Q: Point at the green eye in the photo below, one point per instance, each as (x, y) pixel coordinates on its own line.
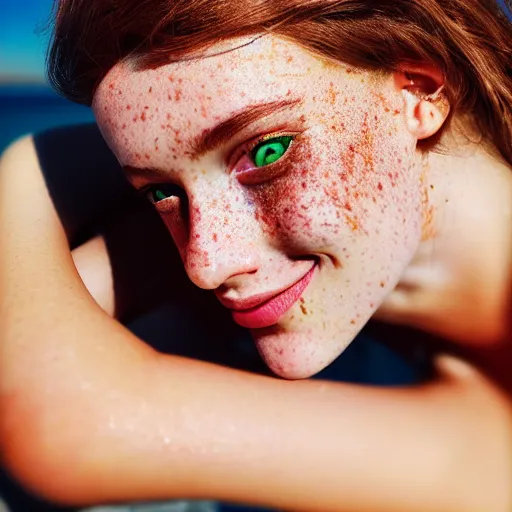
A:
(158, 193)
(270, 151)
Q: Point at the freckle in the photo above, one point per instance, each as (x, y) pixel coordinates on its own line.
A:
(143, 116)
(397, 112)
(382, 284)
(150, 90)
(353, 322)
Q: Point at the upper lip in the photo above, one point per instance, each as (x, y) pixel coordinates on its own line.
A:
(256, 300)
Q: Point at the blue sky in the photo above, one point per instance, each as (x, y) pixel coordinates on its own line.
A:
(22, 50)
(22, 45)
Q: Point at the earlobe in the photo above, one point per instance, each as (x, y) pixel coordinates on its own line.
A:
(426, 106)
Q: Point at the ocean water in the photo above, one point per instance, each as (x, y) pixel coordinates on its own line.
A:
(28, 109)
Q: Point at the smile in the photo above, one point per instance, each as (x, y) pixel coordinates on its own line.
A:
(269, 311)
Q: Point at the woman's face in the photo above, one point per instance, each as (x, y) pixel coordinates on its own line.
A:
(290, 185)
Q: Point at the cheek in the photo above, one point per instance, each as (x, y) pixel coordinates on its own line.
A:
(290, 208)
(343, 183)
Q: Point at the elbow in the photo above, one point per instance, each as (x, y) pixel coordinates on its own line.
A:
(44, 465)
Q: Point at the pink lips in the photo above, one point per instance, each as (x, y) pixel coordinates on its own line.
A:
(269, 312)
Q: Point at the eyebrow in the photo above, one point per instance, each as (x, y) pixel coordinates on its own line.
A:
(214, 137)
(226, 130)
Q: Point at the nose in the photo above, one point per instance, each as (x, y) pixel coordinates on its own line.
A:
(222, 244)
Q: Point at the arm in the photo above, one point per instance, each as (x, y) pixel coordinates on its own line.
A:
(91, 414)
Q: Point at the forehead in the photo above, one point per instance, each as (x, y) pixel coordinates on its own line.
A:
(248, 74)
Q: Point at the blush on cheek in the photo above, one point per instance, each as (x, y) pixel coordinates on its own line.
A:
(284, 206)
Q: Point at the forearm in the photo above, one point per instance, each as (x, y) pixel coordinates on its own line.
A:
(304, 446)
(77, 390)
(172, 428)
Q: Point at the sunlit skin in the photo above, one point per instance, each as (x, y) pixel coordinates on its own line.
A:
(340, 201)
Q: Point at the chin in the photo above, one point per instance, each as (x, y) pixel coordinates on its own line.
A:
(295, 356)
(294, 373)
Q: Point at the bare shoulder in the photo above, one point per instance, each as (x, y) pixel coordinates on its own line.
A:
(19, 162)
(22, 149)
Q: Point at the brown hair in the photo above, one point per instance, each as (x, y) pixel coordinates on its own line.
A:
(469, 40)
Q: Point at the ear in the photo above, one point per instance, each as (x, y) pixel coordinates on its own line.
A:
(427, 107)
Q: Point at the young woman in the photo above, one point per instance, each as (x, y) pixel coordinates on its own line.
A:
(289, 150)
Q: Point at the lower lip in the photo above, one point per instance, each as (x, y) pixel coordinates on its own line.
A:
(270, 312)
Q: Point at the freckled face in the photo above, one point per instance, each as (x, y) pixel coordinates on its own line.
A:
(304, 218)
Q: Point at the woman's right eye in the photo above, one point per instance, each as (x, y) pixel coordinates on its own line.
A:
(158, 193)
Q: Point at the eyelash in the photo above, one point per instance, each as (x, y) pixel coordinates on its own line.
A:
(244, 150)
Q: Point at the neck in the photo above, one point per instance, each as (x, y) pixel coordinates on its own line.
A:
(470, 189)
